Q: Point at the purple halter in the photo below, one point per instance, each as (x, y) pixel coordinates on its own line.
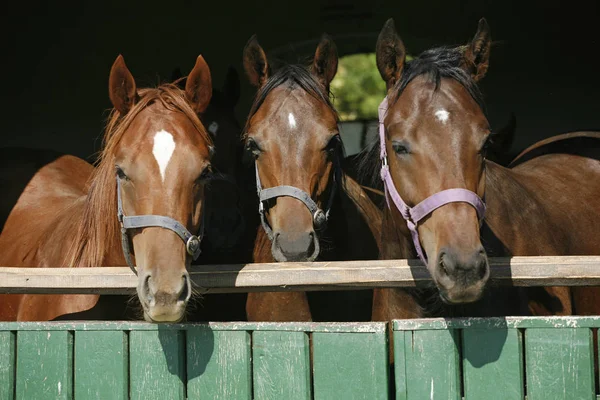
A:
(412, 215)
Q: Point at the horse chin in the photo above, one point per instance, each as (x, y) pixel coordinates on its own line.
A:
(468, 295)
(164, 317)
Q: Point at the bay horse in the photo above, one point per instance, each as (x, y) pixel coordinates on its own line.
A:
(145, 200)
(432, 157)
(292, 137)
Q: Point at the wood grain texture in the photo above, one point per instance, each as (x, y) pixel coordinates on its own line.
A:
(281, 365)
(157, 365)
(431, 359)
(350, 366)
(518, 271)
(218, 364)
(101, 365)
(492, 364)
(559, 363)
(44, 365)
(7, 364)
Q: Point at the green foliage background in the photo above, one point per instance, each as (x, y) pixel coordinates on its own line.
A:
(357, 87)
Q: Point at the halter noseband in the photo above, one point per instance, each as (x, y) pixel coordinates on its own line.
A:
(192, 242)
(319, 216)
(412, 215)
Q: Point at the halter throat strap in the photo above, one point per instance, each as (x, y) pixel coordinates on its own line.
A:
(192, 242)
(412, 215)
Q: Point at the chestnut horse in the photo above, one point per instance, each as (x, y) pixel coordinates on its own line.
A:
(435, 136)
(292, 135)
(148, 190)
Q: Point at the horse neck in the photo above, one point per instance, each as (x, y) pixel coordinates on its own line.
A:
(515, 216)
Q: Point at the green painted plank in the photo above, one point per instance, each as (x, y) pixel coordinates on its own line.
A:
(559, 363)
(218, 364)
(44, 365)
(157, 365)
(7, 365)
(492, 364)
(500, 322)
(350, 366)
(101, 365)
(432, 364)
(281, 365)
(400, 374)
(374, 327)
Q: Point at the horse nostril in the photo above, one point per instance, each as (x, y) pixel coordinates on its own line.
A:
(311, 245)
(185, 293)
(442, 264)
(482, 267)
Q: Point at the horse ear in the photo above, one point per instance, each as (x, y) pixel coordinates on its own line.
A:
(231, 87)
(390, 53)
(198, 87)
(121, 86)
(477, 53)
(325, 63)
(255, 62)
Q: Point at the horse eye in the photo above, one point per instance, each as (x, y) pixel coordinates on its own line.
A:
(121, 174)
(487, 144)
(400, 149)
(333, 144)
(206, 175)
(253, 148)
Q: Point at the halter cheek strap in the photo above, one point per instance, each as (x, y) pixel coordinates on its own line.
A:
(192, 242)
(412, 215)
(320, 217)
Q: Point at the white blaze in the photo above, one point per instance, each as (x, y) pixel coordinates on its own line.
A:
(442, 115)
(292, 120)
(163, 149)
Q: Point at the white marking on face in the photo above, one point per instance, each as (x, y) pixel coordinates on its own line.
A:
(442, 115)
(163, 149)
(292, 120)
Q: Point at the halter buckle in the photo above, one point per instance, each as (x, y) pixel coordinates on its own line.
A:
(193, 245)
(319, 218)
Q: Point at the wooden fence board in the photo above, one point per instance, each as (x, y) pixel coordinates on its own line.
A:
(7, 365)
(281, 365)
(44, 365)
(431, 359)
(101, 365)
(350, 366)
(559, 363)
(492, 364)
(157, 365)
(219, 365)
(518, 271)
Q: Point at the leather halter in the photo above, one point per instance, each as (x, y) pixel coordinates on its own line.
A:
(319, 216)
(412, 215)
(192, 242)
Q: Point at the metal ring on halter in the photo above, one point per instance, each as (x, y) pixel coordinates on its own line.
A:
(193, 245)
(319, 218)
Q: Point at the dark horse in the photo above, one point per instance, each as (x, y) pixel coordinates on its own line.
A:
(292, 135)
(150, 177)
(436, 136)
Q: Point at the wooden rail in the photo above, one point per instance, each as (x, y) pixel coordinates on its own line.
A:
(516, 271)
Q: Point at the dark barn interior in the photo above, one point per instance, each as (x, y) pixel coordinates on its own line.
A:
(56, 59)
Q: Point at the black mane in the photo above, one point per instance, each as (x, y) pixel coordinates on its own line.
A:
(292, 75)
(435, 64)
